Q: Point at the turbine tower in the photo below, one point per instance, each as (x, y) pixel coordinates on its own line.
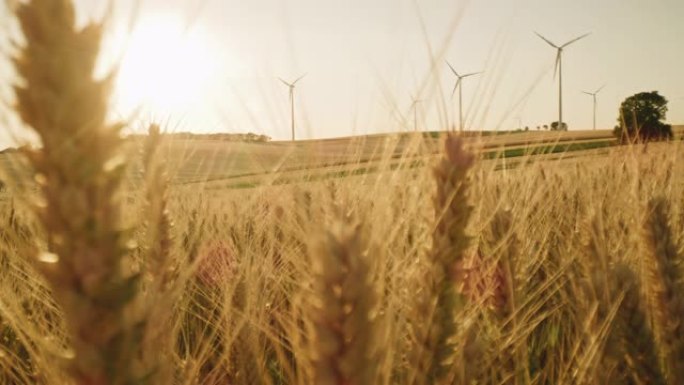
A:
(559, 70)
(292, 109)
(459, 86)
(593, 95)
(414, 106)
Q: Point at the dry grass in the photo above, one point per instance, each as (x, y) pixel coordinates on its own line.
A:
(558, 272)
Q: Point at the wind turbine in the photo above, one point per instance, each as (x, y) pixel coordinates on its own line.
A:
(292, 109)
(559, 70)
(414, 106)
(593, 95)
(459, 86)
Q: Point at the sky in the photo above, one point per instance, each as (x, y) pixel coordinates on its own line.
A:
(213, 65)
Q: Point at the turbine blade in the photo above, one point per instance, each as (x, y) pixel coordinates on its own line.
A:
(453, 70)
(575, 40)
(558, 59)
(588, 93)
(298, 79)
(599, 90)
(284, 82)
(471, 74)
(546, 40)
(456, 87)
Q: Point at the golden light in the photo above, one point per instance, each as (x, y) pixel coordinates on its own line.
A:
(165, 68)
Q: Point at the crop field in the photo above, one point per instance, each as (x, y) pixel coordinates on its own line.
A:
(498, 258)
(239, 164)
(560, 263)
(245, 301)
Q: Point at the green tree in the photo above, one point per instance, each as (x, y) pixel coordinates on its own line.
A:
(641, 118)
(554, 126)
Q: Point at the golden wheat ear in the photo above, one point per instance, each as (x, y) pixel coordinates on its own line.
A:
(158, 222)
(79, 169)
(342, 311)
(433, 324)
(164, 284)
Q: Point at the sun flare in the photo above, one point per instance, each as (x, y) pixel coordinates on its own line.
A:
(164, 68)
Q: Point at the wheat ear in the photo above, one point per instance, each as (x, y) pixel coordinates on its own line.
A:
(342, 315)
(159, 223)
(438, 300)
(164, 292)
(79, 169)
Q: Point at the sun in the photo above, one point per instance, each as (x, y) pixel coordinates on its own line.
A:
(165, 67)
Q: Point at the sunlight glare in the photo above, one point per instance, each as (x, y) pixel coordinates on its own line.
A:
(165, 68)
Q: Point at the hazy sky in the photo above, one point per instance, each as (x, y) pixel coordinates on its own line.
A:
(364, 59)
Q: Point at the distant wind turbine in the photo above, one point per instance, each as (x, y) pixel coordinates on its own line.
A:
(593, 95)
(414, 106)
(459, 86)
(292, 109)
(559, 70)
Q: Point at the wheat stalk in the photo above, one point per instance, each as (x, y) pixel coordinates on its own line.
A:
(434, 325)
(79, 169)
(504, 248)
(665, 284)
(631, 341)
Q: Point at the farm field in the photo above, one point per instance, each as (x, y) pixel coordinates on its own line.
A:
(205, 162)
(211, 161)
(243, 164)
(215, 165)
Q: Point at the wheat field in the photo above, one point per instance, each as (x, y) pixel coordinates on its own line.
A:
(456, 270)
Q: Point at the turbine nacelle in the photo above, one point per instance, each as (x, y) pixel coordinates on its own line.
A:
(415, 101)
(459, 86)
(595, 92)
(558, 69)
(593, 96)
(293, 84)
(460, 77)
(560, 49)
